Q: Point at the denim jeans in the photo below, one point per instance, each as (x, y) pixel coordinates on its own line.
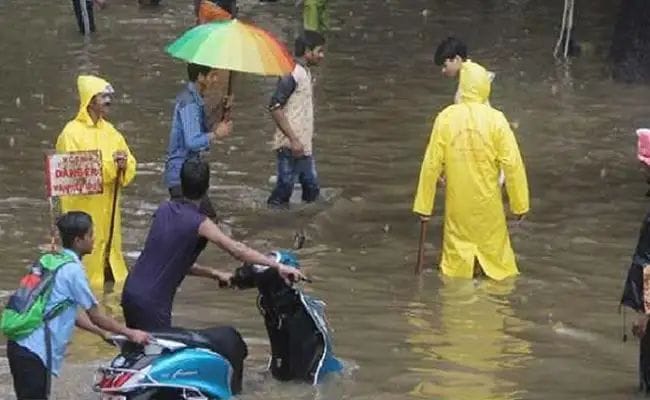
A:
(290, 168)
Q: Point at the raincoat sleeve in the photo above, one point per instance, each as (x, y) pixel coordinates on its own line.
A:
(512, 165)
(430, 171)
(62, 142)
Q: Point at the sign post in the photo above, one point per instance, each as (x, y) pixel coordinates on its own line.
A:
(76, 173)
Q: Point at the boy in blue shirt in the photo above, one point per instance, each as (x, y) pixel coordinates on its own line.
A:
(28, 358)
(189, 135)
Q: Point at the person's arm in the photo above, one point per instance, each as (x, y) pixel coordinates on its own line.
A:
(81, 294)
(430, 172)
(285, 88)
(211, 273)
(241, 252)
(195, 139)
(83, 322)
(108, 323)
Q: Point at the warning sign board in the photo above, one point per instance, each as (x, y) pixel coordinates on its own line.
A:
(75, 173)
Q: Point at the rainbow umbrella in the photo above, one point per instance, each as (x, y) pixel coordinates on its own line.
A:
(233, 45)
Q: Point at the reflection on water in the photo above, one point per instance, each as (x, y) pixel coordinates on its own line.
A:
(466, 340)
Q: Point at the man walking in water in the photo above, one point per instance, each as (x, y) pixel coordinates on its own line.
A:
(470, 143)
(292, 109)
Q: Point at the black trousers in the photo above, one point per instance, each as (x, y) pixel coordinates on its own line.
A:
(91, 16)
(31, 378)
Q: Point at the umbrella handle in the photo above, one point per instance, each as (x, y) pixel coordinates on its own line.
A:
(226, 108)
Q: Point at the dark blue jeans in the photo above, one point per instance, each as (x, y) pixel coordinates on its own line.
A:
(290, 168)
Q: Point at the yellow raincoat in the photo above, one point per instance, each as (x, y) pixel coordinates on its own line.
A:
(471, 142)
(81, 134)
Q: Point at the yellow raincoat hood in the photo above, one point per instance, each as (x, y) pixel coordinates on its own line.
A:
(474, 83)
(88, 87)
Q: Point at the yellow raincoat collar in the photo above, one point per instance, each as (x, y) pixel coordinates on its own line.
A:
(88, 87)
(474, 83)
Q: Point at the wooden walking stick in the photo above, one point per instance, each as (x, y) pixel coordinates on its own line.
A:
(108, 273)
(423, 234)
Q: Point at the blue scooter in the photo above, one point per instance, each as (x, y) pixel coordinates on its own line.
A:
(208, 364)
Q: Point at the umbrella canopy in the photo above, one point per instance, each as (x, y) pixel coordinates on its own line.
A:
(235, 46)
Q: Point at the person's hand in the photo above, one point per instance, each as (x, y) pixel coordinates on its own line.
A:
(224, 278)
(227, 101)
(100, 3)
(138, 336)
(424, 218)
(297, 149)
(516, 221)
(222, 130)
(290, 274)
(120, 159)
(639, 326)
(520, 217)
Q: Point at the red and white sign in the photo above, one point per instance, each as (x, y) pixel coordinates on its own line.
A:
(75, 173)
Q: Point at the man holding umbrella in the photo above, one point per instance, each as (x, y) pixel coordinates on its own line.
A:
(189, 136)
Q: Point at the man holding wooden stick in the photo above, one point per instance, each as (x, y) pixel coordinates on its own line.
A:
(91, 131)
(471, 142)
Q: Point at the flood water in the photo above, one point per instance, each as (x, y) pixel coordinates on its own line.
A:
(553, 333)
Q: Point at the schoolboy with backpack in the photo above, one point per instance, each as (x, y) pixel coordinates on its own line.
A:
(39, 317)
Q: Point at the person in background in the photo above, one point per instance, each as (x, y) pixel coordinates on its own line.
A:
(315, 16)
(78, 6)
(91, 131)
(214, 10)
(636, 292)
(292, 109)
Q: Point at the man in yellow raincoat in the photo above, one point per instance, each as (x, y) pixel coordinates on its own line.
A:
(470, 143)
(91, 131)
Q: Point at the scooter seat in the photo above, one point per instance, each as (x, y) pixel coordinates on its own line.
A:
(223, 340)
(191, 338)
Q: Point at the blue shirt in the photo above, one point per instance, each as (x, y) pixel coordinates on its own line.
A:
(188, 136)
(71, 284)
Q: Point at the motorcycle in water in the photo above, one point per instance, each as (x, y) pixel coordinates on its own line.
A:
(207, 364)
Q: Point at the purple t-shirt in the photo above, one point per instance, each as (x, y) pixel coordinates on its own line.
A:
(171, 248)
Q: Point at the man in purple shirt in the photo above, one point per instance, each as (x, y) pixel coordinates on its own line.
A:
(178, 234)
